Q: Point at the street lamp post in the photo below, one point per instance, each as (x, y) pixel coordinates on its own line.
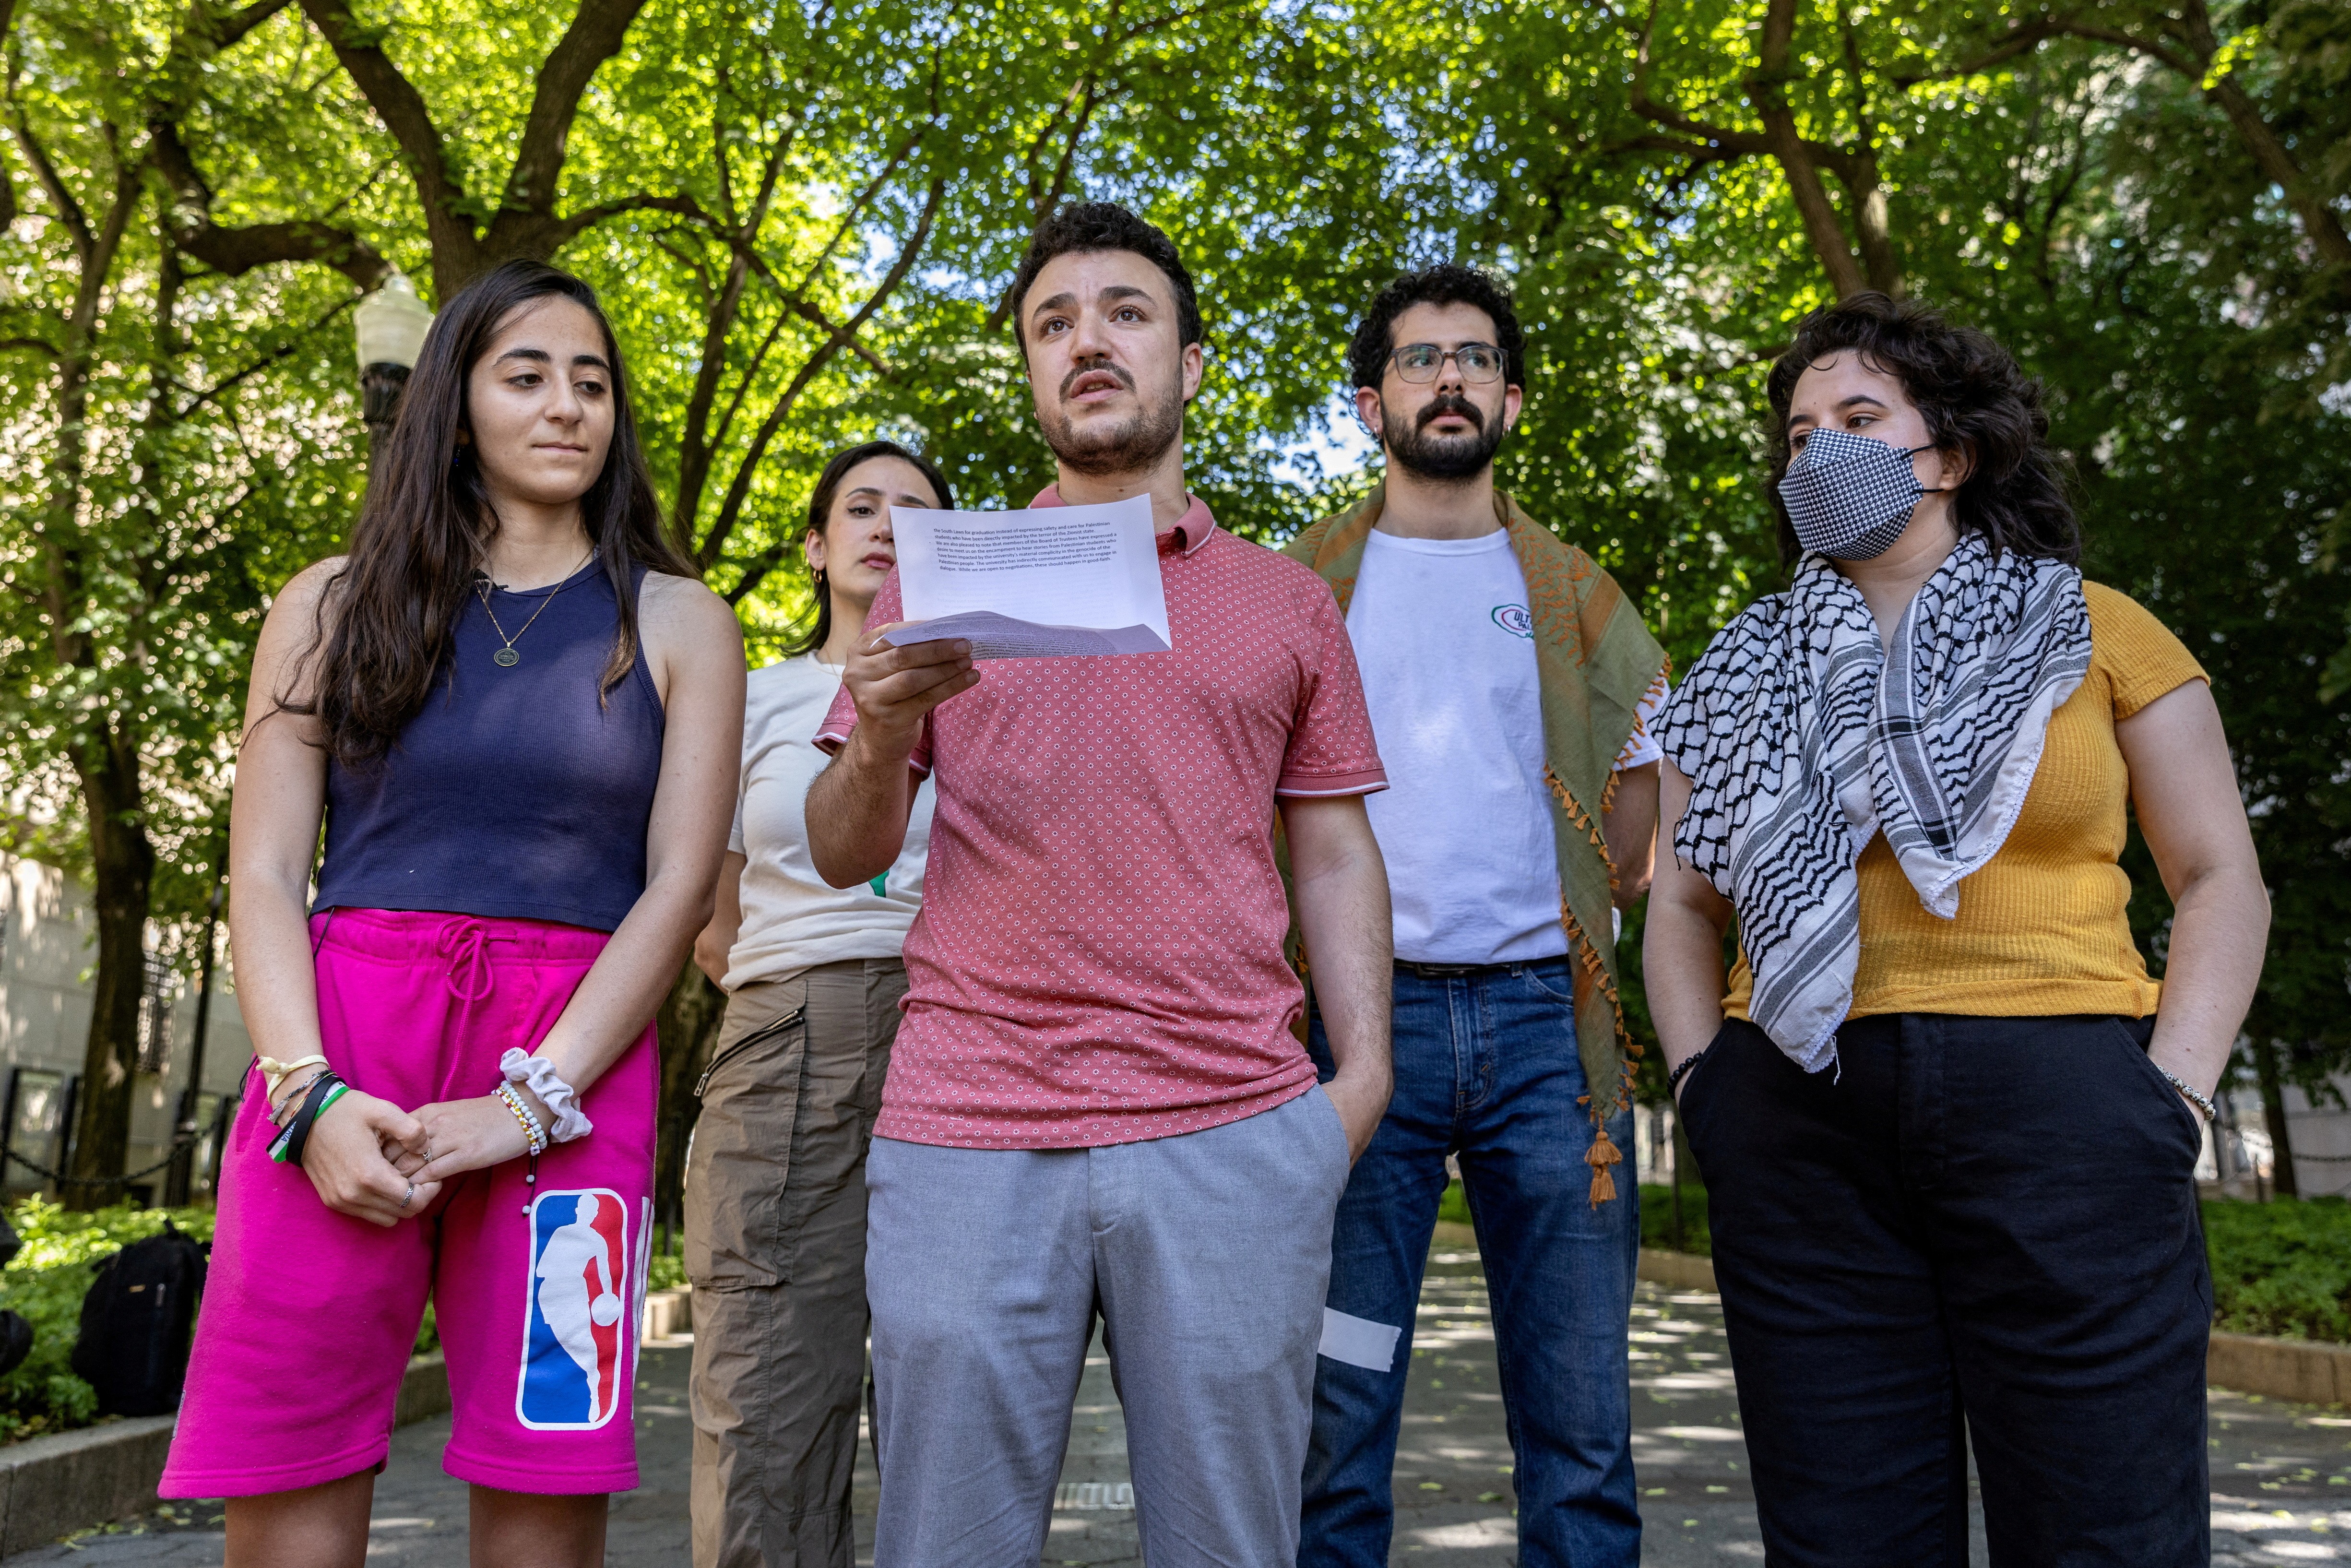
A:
(179, 1182)
(389, 324)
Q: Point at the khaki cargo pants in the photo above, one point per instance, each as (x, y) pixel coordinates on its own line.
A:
(775, 1247)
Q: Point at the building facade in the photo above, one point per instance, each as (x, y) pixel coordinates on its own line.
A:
(48, 945)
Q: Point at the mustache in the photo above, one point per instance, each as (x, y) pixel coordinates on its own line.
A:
(1105, 367)
(1455, 404)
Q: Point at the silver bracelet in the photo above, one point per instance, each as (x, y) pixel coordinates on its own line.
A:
(2212, 1112)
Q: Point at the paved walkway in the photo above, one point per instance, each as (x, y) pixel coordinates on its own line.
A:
(2280, 1473)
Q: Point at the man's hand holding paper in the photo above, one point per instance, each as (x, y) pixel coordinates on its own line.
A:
(895, 689)
(1043, 583)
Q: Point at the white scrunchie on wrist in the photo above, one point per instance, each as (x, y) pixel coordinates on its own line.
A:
(562, 1101)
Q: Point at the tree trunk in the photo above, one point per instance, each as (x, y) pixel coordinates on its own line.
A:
(2324, 230)
(1873, 223)
(2274, 1112)
(124, 865)
(2319, 222)
(1765, 90)
(689, 1023)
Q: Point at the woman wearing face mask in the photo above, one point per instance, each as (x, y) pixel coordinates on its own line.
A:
(775, 1195)
(1947, 1134)
(519, 712)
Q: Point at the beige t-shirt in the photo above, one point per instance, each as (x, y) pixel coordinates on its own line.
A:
(791, 920)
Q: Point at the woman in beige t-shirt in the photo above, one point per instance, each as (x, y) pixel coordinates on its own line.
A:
(774, 1187)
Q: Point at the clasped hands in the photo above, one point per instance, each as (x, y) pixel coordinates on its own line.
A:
(373, 1160)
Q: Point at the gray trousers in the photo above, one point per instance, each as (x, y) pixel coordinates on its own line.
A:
(1207, 1256)
(775, 1245)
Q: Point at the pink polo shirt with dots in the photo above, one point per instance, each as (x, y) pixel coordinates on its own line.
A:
(1098, 958)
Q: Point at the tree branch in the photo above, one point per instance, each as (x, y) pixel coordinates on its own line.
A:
(730, 509)
(69, 211)
(2019, 40)
(855, 345)
(566, 230)
(229, 383)
(594, 36)
(1720, 143)
(456, 244)
(755, 573)
(1765, 90)
(222, 31)
(1863, 189)
(1060, 182)
(234, 252)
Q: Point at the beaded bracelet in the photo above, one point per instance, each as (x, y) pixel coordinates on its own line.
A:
(566, 1121)
(534, 1134)
(2212, 1112)
(1674, 1079)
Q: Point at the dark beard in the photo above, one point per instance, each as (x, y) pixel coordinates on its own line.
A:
(1127, 448)
(1446, 458)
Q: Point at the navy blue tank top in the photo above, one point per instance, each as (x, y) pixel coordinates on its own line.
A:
(514, 793)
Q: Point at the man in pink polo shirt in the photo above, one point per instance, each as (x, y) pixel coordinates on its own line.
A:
(1098, 1102)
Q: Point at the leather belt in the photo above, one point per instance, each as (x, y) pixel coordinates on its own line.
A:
(1461, 971)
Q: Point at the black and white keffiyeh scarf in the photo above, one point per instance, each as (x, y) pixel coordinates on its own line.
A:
(1804, 735)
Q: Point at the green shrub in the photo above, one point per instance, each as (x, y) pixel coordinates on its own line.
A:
(1656, 1215)
(1657, 1218)
(2281, 1269)
(666, 1272)
(46, 1282)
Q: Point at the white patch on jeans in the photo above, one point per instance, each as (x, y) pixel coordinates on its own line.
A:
(1359, 1342)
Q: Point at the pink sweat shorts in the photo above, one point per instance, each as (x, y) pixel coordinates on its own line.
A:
(309, 1315)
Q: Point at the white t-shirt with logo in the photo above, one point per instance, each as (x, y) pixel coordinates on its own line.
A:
(791, 920)
(1445, 643)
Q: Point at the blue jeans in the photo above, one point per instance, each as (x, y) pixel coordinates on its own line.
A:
(1486, 1068)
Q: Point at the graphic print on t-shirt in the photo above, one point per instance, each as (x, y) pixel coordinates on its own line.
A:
(1514, 619)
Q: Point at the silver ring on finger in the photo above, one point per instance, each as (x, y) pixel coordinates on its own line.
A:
(408, 1195)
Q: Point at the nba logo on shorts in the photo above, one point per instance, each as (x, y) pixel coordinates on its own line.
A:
(576, 1360)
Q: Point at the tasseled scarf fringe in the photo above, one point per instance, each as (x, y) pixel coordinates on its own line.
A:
(1604, 1152)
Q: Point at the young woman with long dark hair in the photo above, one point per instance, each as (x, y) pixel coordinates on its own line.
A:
(1948, 1123)
(519, 713)
(775, 1195)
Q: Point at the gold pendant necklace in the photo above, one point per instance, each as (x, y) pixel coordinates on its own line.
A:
(506, 657)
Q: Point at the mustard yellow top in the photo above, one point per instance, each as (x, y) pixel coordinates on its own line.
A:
(2041, 929)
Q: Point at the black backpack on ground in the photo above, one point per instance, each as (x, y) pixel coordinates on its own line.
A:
(135, 1323)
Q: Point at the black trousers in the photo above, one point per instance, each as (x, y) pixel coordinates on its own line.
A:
(1973, 1230)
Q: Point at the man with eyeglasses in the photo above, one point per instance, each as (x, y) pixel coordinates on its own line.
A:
(1510, 681)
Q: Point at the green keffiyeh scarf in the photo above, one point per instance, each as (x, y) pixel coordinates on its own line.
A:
(1596, 661)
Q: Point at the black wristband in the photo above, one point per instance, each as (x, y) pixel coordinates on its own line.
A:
(297, 1131)
(1674, 1079)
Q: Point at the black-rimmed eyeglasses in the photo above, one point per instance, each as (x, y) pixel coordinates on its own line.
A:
(1424, 361)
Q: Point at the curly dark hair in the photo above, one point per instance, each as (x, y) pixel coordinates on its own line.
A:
(1975, 398)
(1105, 226)
(1448, 283)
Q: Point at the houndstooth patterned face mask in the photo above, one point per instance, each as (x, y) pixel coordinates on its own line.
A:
(1850, 497)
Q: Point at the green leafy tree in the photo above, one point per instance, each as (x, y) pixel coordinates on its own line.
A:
(163, 407)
